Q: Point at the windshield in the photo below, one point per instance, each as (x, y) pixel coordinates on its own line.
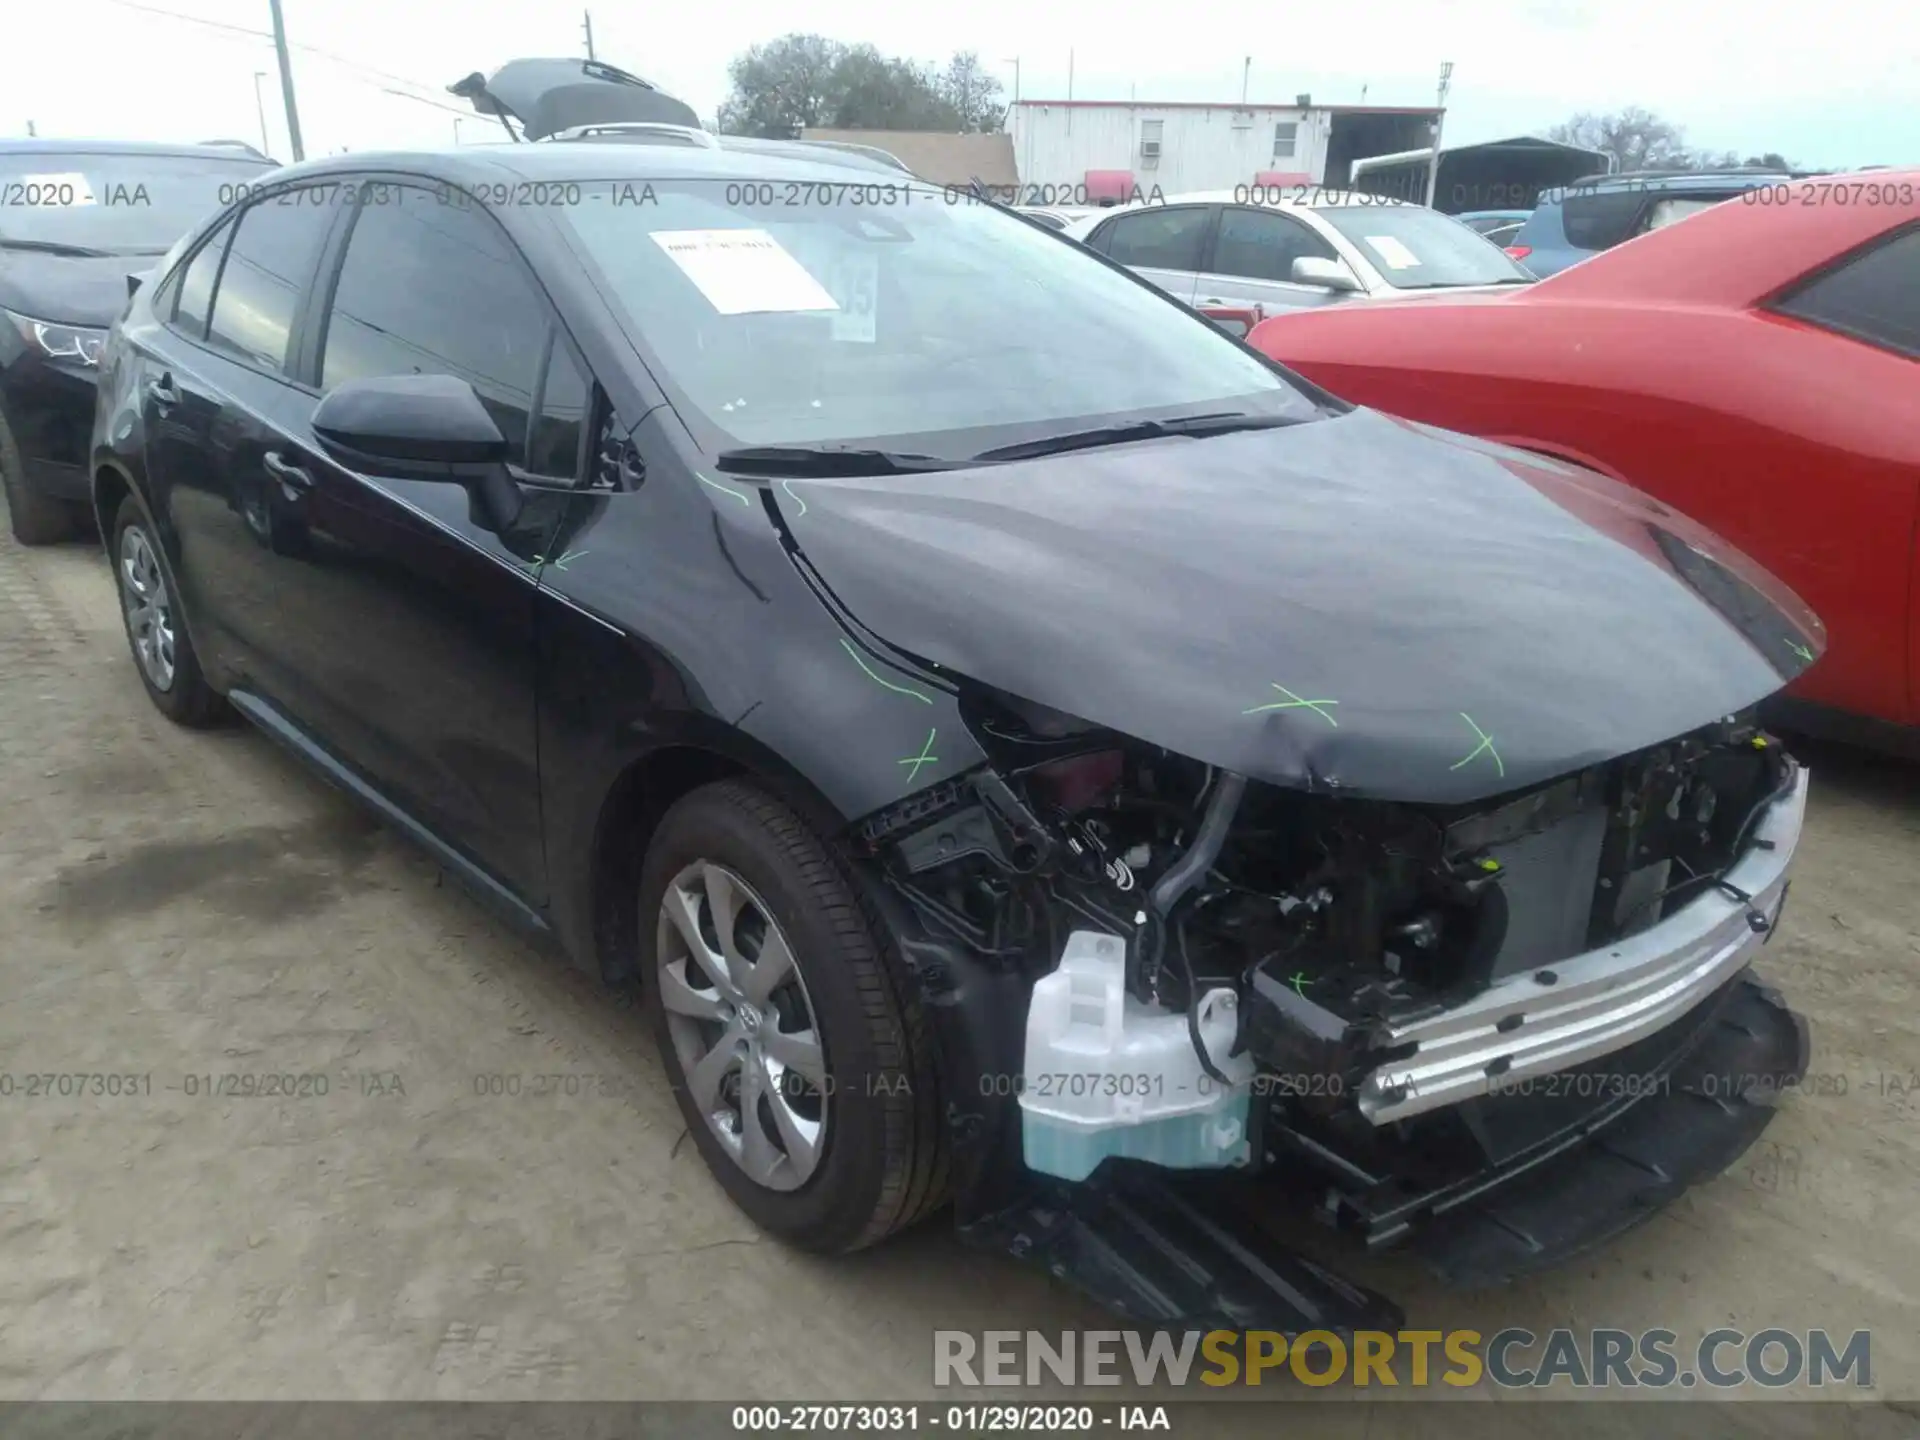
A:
(1415, 248)
(861, 314)
(117, 204)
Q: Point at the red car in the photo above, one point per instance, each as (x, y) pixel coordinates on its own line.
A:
(1756, 366)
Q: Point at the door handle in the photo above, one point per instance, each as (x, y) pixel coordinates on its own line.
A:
(162, 393)
(292, 478)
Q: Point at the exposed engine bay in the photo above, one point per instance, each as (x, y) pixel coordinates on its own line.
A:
(1384, 908)
(1336, 922)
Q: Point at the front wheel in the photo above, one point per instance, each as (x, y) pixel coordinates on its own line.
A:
(796, 1046)
(162, 650)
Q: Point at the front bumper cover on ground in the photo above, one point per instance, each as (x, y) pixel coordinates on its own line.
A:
(1191, 1251)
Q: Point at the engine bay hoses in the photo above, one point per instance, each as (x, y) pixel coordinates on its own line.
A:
(1223, 804)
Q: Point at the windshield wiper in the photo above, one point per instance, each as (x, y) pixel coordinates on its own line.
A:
(55, 247)
(1190, 425)
(827, 460)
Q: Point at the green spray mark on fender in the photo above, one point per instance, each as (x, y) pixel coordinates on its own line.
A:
(1802, 651)
(726, 490)
(881, 679)
(1294, 702)
(1485, 747)
(925, 757)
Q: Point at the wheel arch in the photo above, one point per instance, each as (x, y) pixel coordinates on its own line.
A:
(638, 798)
(111, 486)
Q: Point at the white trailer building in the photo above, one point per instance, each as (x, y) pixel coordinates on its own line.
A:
(1090, 152)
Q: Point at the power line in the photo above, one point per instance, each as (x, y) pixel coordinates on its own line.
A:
(267, 35)
(192, 19)
(422, 100)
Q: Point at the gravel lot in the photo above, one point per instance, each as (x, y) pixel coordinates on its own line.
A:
(181, 905)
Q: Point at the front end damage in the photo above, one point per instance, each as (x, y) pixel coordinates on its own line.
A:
(1182, 1013)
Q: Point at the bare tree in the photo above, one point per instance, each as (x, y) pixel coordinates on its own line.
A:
(1636, 138)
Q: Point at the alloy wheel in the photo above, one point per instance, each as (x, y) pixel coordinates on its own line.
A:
(149, 608)
(742, 1025)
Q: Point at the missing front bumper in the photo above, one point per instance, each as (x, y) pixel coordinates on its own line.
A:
(1533, 1025)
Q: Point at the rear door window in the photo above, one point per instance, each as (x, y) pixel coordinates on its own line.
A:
(268, 265)
(1874, 295)
(1161, 239)
(193, 293)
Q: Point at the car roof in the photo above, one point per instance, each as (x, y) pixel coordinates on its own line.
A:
(1316, 197)
(233, 151)
(1656, 180)
(1731, 255)
(568, 160)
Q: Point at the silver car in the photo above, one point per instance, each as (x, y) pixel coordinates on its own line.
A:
(1218, 250)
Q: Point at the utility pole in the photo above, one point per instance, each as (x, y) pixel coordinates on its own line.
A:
(1246, 75)
(260, 106)
(286, 82)
(1015, 62)
(31, 132)
(587, 25)
(1439, 122)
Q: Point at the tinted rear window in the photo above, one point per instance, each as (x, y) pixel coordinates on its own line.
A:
(1875, 296)
(268, 265)
(1599, 220)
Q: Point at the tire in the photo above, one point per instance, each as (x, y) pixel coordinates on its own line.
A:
(35, 518)
(178, 689)
(881, 1161)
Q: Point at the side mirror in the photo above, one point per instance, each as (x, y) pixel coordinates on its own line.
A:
(1327, 274)
(421, 427)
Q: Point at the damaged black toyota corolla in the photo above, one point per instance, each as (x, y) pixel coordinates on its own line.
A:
(1031, 751)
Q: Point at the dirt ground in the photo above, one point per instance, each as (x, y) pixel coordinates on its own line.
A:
(178, 905)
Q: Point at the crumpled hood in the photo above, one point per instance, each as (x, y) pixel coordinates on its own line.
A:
(1355, 603)
(69, 289)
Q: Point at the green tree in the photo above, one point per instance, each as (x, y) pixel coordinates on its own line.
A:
(784, 85)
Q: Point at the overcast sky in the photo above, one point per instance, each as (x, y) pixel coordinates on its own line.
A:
(1832, 85)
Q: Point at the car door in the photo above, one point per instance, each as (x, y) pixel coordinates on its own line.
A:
(1251, 262)
(1163, 244)
(408, 622)
(215, 388)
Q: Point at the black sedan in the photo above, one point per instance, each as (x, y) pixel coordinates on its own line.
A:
(1027, 747)
(78, 219)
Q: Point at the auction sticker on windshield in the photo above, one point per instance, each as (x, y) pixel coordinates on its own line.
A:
(743, 272)
(1389, 249)
(853, 276)
(52, 190)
